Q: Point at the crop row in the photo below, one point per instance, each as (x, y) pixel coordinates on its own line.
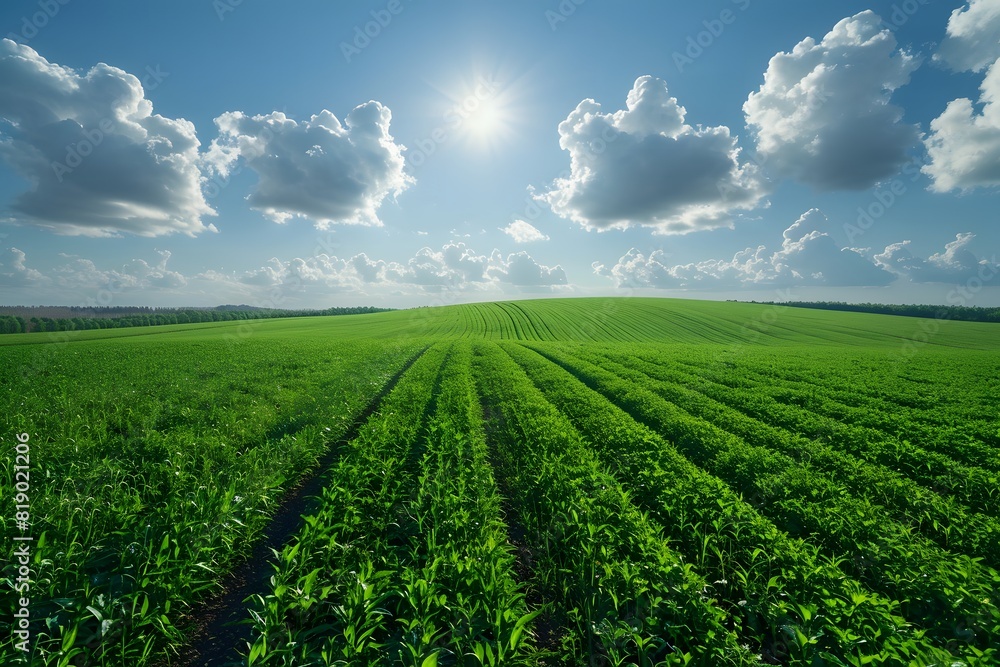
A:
(964, 430)
(152, 473)
(974, 486)
(950, 594)
(406, 560)
(928, 583)
(621, 594)
(940, 388)
(942, 519)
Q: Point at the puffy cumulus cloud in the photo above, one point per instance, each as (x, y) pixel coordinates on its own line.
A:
(635, 269)
(367, 270)
(305, 282)
(14, 271)
(426, 268)
(956, 264)
(82, 278)
(323, 272)
(319, 270)
(644, 166)
(322, 169)
(812, 221)
(455, 267)
(808, 256)
(135, 275)
(523, 232)
(464, 261)
(155, 275)
(99, 161)
(972, 41)
(964, 145)
(823, 114)
(271, 273)
(521, 270)
(459, 267)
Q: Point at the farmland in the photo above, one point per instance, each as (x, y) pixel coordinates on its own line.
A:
(554, 482)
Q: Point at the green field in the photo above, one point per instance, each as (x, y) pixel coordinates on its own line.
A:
(551, 482)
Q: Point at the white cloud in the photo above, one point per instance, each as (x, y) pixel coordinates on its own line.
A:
(14, 271)
(271, 273)
(955, 265)
(79, 281)
(318, 168)
(823, 114)
(296, 283)
(432, 268)
(645, 166)
(634, 269)
(464, 261)
(455, 267)
(99, 161)
(83, 274)
(321, 273)
(367, 270)
(521, 270)
(972, 42)
(963, 145)
(156, 275)
(299, 282)
(808, 256)
(523, 232)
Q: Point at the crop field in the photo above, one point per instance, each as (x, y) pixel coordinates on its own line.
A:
(554, 482)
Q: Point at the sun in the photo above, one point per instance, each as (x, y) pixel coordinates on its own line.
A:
(483, 109)
(485, 121)
(480, 113)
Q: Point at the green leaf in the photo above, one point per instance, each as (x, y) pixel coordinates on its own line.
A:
(515, 635)
(69, 638)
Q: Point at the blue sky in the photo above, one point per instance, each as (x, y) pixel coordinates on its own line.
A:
(400, 153)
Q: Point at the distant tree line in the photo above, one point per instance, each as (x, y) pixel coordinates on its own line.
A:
(149, 317)
(68, 312)
(966, 313)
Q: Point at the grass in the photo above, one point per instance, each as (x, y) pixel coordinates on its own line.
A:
(585, 319)
(639, 481)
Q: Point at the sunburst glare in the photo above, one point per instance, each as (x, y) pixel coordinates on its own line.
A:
(480, 112)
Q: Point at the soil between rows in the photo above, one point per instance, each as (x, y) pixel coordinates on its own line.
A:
(216, 630)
